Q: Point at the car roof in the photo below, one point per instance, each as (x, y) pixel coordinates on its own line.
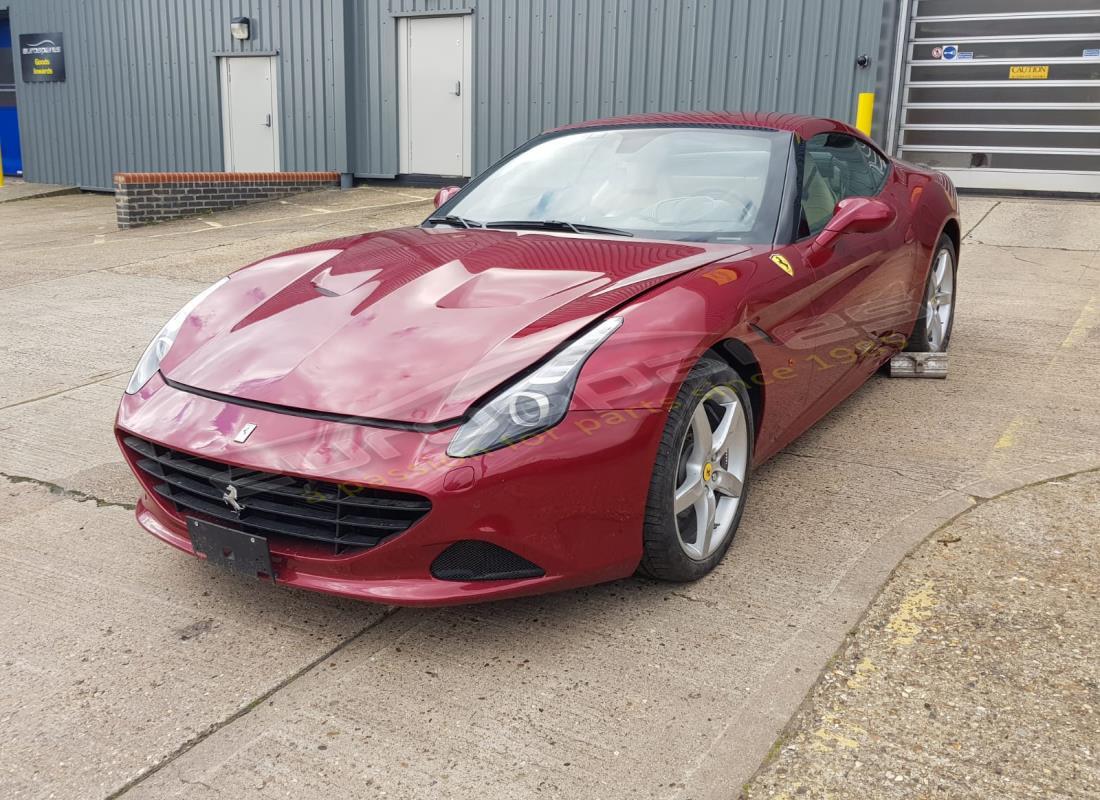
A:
(805, 127)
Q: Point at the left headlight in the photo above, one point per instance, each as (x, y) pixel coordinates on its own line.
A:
(158, 348)
(534, 403)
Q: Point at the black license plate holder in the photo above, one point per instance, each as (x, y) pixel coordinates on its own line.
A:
(246, 553)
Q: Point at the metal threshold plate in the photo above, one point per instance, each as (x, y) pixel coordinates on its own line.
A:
(918, 365)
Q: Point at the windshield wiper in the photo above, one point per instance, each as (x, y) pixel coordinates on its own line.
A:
(454, 219)
(556, 225)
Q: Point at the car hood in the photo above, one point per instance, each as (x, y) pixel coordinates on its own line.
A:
(411, 325)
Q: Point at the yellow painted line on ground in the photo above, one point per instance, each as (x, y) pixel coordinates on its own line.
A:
(863, 670)
(917, 605)
(1008, 438)
(1086, 321)
(1090, 316)
(836, 732)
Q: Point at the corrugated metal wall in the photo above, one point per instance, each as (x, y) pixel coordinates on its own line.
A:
(142, 77)
(142, 92)
(543, 63)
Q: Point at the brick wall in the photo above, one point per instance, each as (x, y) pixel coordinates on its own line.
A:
(144, 197)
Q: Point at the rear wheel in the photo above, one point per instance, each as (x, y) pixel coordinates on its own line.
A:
(701, 475)
(933, 331)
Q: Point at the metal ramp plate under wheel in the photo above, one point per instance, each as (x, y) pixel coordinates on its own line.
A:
(918, 365)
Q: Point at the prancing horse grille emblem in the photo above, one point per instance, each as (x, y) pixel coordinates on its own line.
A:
(230, 498)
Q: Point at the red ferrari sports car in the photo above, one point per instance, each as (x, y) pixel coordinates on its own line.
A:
(565, 375)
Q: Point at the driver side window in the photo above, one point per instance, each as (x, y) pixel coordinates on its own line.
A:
(836, 166)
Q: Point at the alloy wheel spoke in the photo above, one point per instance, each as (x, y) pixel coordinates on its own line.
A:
(689, 493)
(935, 330)
(704, 436)
(705, 511)
(942, 262)
(727, 429)
(727, 483)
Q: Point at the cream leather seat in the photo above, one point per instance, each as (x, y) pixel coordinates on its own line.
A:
(818, 200)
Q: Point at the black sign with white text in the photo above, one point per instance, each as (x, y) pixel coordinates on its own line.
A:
(42, 56)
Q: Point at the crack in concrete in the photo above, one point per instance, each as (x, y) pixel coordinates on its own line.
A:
(1029, 247)
(974, 227)
(141, 261)
(243, 711)
(64, 244)
(186, 782)
(97, 379)
(71, 494)
(883, 467)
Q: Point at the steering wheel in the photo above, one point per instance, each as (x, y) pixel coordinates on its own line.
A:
(726, 195)
(709, 205)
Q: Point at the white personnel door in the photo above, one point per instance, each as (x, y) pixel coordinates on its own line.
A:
(434, 91)
(249, 119)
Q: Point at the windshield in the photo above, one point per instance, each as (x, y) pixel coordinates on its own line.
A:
(691, 184)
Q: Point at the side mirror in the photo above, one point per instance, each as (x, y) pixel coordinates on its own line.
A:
(445, 194)
(856, 215)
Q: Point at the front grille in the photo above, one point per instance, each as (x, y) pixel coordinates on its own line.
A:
(341, 515)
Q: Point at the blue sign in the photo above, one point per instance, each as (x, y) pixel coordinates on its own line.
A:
(9, 124)
(950, 51)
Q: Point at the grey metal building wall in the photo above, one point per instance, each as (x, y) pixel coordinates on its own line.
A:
(543, 63)
(142, 90)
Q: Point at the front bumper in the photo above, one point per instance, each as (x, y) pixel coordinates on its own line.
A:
(571, 501)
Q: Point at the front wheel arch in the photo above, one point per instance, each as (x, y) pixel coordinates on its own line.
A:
(740, 358)
(952, 231)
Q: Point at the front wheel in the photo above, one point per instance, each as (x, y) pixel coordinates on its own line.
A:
(933, 331)
(701, 475)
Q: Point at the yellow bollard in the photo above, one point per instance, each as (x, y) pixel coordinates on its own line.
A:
(865, 112)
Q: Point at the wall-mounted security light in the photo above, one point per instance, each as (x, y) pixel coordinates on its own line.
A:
(240, 27)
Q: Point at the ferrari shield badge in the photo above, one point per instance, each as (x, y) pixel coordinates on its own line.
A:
(783, 264)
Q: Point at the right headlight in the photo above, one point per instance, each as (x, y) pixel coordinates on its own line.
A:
(150, 360)
(534, 403)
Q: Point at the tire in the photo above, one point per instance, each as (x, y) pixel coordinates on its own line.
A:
(932, 333)
(675, 546)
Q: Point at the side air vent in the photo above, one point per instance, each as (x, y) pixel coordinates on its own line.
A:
(471, 560)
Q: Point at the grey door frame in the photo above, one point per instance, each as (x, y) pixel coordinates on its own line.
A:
(223, 60)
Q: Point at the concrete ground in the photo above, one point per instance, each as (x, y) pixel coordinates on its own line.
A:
(129, 669)
(19, 189)
(975, 672)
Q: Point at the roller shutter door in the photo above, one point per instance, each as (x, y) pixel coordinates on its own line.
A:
(1004, 94)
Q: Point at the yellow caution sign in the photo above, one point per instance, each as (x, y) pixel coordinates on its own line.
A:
(783, 264)
(1029, 72)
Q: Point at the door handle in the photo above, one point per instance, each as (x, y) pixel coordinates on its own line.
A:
(458, 89)
(267, 124)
